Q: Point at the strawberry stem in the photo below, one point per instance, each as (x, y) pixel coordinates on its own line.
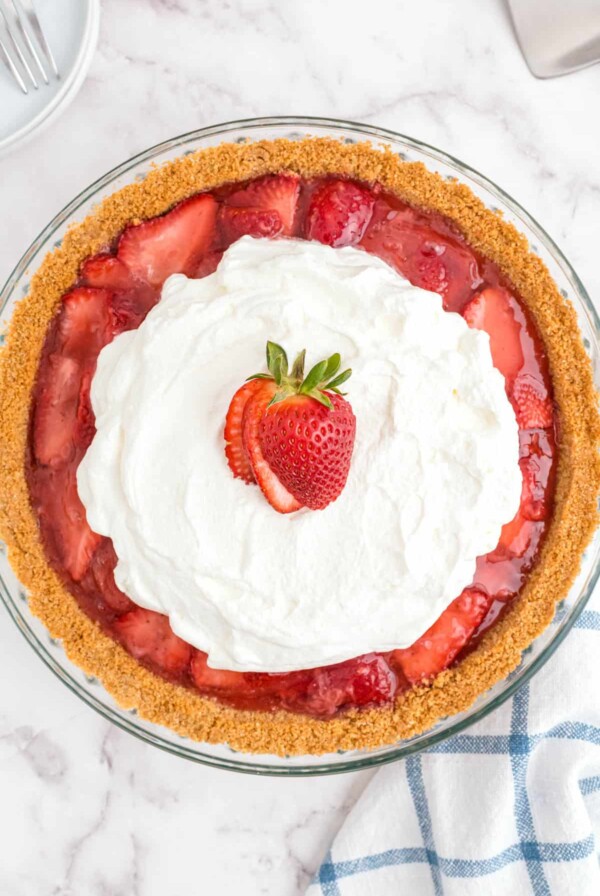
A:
(320, 379)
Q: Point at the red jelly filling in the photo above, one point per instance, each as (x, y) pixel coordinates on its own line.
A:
(115, 291)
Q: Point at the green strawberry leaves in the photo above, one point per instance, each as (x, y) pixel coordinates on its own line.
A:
(320, 379)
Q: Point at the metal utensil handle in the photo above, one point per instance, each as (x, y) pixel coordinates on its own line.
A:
(25, 7)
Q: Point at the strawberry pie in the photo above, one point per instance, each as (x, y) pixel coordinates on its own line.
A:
(299, 446)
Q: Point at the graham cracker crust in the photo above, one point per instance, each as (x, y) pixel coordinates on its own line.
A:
(575, 516)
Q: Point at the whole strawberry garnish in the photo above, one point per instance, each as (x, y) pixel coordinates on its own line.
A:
(306, 431)
(292, 435)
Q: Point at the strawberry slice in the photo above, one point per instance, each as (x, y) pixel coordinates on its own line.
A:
(171, 244)
(498, 313)
(234, 448)
(128, 309)
(86, 420)
(275, 493)
(84, 322)
(276, 193)
(365, 681)
(257, 222)
(149, 637)
(55, 412)
(78, 540)
(535, 460)
(103, 566)
(106, 271)
(131, 298)
(514, 540)
(80, 546)
(436, 649)
(533, 495)
(207, 679)
(501, 572)
(338, 213)
(533, 408)
(74, 541)
(208, 265)
(422, 255)
(246, 690)
(62, 418)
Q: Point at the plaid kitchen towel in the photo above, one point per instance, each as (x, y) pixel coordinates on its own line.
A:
(510, 808)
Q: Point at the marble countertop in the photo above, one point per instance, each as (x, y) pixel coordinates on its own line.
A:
(86, 809)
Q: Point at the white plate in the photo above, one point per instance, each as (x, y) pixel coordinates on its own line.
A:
(71, 28)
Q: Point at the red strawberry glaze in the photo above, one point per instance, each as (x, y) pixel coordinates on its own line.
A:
(119, 287)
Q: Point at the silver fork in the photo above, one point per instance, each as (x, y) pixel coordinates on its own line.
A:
(20, 29)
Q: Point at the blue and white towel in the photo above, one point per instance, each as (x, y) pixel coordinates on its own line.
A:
(511, 808)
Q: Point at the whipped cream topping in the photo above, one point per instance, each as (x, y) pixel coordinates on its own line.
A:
(434, 473)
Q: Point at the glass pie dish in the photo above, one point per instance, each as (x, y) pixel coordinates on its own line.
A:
(89, 689)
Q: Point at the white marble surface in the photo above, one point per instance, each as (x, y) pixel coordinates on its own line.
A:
(87, 810)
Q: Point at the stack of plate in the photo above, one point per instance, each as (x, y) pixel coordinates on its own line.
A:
(71, 28)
